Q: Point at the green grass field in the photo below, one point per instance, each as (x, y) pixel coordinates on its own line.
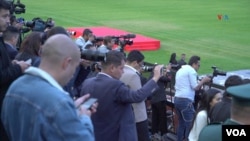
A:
(182, 26)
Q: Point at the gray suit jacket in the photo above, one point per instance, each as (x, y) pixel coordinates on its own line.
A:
(133, 81)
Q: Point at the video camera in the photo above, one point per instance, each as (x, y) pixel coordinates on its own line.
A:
(37, 24)
(123, 40)
(17, 8)
(93, 55)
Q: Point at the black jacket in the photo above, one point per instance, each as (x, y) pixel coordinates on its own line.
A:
(8, 73)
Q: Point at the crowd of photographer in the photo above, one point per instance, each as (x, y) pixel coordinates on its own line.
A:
(47, 78)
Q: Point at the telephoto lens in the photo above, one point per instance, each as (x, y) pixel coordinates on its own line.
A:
(93, 55)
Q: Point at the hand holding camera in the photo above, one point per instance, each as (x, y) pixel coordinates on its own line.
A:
(158, 72)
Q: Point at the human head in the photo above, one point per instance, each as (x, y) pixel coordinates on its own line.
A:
(232, 80)
(4, 15)
(60, 57)
(183, 56)
(114, 64)
(108, 42)
(90, 46)
(194, 61)
(135, 59)
(172, 58)
(240, 108)
(209, 98)
(52, 31)
(11, 35)
(87, 33)
(31, 43)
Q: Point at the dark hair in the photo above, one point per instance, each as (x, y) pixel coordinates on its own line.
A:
(204, 103)
(194, 60)
(31, 43)
(232, 80)
(88, 46)
(206, 98)
(10, 32)
(246, 81)
(113, 57)
(173, 59)
(86, 32)
(5, 5)
(53, 31)
(135, 55)
(107, 39)
(56, 30)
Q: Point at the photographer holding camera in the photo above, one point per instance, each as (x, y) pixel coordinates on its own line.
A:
(114, 119)
(107, 45)
(86, 38)
(186, 84)
(131, 78)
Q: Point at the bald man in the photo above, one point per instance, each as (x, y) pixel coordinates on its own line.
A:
(37, 108)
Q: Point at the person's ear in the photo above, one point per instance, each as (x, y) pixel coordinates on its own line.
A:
(66, 62)
(112, 68)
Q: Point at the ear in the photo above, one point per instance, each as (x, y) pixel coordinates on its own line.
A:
(66, 63)
(112, 68)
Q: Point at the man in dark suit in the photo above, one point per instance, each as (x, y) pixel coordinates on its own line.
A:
(114, 119)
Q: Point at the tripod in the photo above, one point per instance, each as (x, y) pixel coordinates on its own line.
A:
(170, 103)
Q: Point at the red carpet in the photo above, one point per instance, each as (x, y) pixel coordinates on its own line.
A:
(140, 42)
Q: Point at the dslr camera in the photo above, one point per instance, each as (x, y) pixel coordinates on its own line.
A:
(146, 68)
(217, 72)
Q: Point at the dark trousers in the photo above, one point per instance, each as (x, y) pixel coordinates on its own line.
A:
(159, 117)
(142, 131)
(3, 134)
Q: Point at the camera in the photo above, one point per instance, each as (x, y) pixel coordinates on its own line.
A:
(72, 33)
(123, 40)
(175, 66)
(37, 24)
(17, 8)
(216, 71)
(148, 68)
(151, 68)
(93, 55)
